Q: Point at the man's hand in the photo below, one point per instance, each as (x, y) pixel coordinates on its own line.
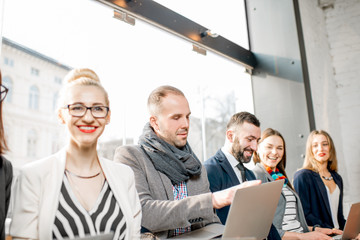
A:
(225, 197)
(317, 235)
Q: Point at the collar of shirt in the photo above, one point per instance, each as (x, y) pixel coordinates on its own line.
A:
(233, 162)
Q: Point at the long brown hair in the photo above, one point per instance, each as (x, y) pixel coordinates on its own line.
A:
(3, 145)
(310, 162)
(282, 164)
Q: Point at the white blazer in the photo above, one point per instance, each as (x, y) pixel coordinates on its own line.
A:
(38, 189)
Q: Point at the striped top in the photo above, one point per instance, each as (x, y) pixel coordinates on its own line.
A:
(72, 220)
(291, 221)
(180, 192)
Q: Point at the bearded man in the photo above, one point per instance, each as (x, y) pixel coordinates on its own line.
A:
(225, 169)
(171, 182)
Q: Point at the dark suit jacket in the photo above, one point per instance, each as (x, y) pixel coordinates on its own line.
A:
(6, 175)
(314, 199)
(221, 176)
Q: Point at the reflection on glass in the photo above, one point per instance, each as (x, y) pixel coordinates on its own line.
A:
(131, 61)
(224, 18)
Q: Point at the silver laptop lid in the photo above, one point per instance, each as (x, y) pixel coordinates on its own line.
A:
(104, 236)
(252, 211)
(352, 225)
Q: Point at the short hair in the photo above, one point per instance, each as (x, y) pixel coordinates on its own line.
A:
(157, 95)
(282, 164)
(310, 162)
(80, 77)
(3, 144)
(239, 118)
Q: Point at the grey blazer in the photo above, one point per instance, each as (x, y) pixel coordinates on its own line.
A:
(264, 176)
(161, 214)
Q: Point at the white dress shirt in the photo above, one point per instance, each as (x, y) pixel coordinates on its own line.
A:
(233, 162)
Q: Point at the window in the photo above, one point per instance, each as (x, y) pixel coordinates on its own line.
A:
(9, 62)
(35, 71)
(31, 143)
(55, 100)
(34, 98)
(215, 86)
(58, 80)
(9, 84)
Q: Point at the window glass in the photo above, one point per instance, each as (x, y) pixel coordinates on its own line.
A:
(34, 71)
(9, 62)
(31, 143)
(34, 98)
(224, 18)
(131, 61)
(58, 80)
(6, 81)
(55, 100)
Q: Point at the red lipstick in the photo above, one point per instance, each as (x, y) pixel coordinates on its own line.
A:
(87, 129)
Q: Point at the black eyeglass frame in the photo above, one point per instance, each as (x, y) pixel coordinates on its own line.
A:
(87, 108)
(2, 95)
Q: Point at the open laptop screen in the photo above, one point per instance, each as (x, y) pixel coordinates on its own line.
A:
(250, 215)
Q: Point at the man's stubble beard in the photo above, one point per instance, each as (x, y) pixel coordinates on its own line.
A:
(238, 153)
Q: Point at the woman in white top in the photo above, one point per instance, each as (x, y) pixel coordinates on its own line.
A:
(318, 184)
(75, 193)
(289, 218)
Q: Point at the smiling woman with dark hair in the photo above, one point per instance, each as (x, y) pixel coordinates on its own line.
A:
(289, 218)
(6, 173)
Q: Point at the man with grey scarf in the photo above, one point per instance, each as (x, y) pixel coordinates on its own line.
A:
(171, 182)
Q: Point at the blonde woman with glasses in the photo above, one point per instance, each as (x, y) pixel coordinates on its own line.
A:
(76, 193)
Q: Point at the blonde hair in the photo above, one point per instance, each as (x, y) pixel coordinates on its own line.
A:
(310, 162)
(80, 77)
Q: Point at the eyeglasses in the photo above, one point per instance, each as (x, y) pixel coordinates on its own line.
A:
(79, 110)
(4, 91)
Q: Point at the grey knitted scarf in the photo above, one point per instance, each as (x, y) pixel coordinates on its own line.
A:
(177, 164)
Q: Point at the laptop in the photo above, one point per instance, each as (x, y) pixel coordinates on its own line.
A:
(103, 236)
(250, 215)
(352, 225)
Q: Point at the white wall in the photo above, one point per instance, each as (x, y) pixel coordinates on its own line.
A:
(332, 42)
